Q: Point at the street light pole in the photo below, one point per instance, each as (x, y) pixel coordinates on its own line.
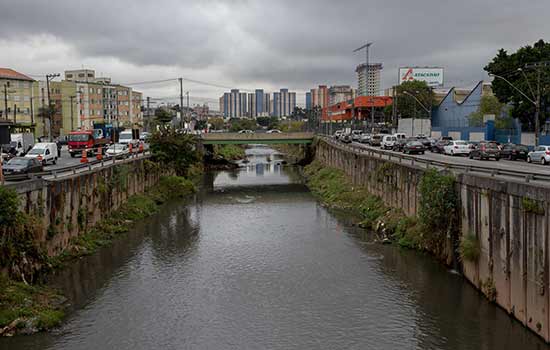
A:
(428, 110)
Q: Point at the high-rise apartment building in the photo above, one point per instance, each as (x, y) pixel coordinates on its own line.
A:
(258, 103)
(266, 109)
(368, 79)
(340, 93)
(319, 96)
(284, 103)
(252, 108)
(308, 100)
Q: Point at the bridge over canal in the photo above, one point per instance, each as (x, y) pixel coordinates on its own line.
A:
(259, 138)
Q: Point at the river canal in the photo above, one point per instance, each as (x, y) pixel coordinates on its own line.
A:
(254, 262)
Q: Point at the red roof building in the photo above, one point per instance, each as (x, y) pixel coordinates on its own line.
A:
(7, 73)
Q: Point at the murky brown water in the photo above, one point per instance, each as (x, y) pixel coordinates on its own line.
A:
(256, 263)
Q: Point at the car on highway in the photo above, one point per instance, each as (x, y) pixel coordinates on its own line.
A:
(118, 150)
(513, 151)
(414, 147)
(246, 132)
(439, 146)
(22, 165)
(456, 148)
(400, 143)
(426, 142)
(145, 136)
(365, 138)
(337, 134)
(274, 131)
(356, 135)
(388, 141)
(539, 154)
(375, 140)
(346, 138)
(46, 151)
(485, 150)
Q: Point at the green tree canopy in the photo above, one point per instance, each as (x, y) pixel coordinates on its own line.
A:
(163, 115)
(217, 123)
(175, 149)
(489, 105)
(407, 106)
(243, 124)
(507, 65)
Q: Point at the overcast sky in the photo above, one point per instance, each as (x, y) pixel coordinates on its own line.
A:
(262, 44)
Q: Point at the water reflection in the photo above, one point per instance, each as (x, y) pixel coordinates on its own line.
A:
(256, 263)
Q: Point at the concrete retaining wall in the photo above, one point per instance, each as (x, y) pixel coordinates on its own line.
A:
(71, 205)
(515, 247)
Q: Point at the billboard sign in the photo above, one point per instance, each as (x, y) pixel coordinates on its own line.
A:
(431, 75)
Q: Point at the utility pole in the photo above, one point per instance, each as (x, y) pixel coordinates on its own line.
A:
(72, 115)
(48, 78)
(14, 114)
(6, 100)
(181, 102)
(187, 116)
(148, 114)
(32, 110)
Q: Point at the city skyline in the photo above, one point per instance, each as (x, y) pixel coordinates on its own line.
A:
(246, 52)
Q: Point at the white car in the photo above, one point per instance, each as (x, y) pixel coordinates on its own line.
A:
(458, 147)
(274, 131)
(388, 141)
(539, 154)
(246, 132)
(118, 149)
(46, 151)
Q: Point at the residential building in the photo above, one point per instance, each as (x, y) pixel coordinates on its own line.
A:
(319, 97)
(136, 113)
(258, 103)
(284, 103)
(368, 79)
(276, 106)
(243, 105)
(17, 96)
(251, 108)
(266, 109)
(308, 100)
(340, 93)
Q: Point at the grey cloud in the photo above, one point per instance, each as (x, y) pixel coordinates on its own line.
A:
(292, 43)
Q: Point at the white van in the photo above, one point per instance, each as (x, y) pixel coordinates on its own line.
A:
(400, 136)
(46, 150)
(388, 141)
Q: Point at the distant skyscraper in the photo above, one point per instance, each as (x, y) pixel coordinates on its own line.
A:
(266, 105)
(319, 96)
(259, 103)
(276, 104)
(368, 80)
(308, 100)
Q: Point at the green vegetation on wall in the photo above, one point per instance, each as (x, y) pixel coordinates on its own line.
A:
(229, 152)
(469, 248)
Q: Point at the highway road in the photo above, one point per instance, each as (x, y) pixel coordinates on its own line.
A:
(504, 165)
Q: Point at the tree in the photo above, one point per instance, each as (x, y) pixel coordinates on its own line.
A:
(243, 124)
(507, 65)
(488, 105)
(175, 149)
(217, 123)
(163, 115)
(263, 121)
(407, 106)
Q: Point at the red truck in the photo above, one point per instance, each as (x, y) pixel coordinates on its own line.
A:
(87, 139)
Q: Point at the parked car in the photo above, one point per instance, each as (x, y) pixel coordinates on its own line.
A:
(47, 151)
(399, 145)
(365, 138)
(513, 151)
(274, 131)
(539, 154)
(118, 149)
(413, 147)
(426, 142)
(388, 141)
(456, 148)
(22, 165)
(375, 140)
(485, 150)
(246, 132)
(346, 138)
(356, 135)
(439, 146)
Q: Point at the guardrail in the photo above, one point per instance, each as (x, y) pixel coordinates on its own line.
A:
(72, 169)
(427, 163)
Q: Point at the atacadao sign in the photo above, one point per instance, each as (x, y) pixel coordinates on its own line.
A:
(431, 75)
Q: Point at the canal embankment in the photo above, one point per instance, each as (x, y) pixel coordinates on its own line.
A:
(46, 224)
(494, 231)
